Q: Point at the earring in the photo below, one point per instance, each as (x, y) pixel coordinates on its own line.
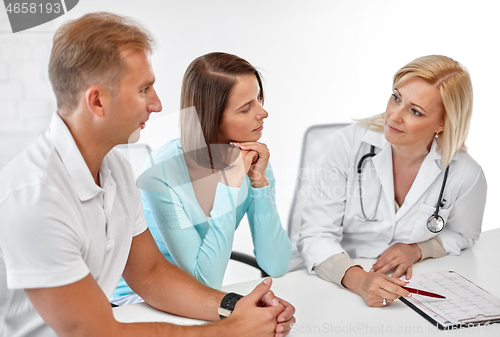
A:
(437, 133)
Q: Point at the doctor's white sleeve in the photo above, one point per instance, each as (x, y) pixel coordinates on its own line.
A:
(321, 230)
(464, 223)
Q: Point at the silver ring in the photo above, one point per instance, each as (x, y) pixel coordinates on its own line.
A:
(384, 302)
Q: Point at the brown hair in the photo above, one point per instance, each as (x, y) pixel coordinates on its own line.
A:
(87, 51)
(206, 86)
(455, 86)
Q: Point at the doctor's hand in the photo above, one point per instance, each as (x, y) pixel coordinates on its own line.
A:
(377, 289)
(257, 169)
(400, 256)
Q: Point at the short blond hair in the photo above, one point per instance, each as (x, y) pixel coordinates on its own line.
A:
(87, 51)
(455, 86)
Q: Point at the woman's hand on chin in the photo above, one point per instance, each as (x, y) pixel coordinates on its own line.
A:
(256, 168)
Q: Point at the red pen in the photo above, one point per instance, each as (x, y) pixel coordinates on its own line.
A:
(423, 293)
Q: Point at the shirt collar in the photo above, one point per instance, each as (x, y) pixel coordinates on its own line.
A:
(375, 138)
(72, 159)
(378, 139)
(104, 169)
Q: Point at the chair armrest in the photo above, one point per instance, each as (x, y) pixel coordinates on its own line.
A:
(247, 259)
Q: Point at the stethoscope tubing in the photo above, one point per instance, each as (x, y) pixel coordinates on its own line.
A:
(435, 215)
(359, 169)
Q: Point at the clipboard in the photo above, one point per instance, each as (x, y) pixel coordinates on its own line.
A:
(466, 304)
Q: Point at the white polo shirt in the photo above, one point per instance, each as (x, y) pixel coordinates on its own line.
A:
(57, 225)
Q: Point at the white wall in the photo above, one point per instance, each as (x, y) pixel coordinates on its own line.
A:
(322, 61)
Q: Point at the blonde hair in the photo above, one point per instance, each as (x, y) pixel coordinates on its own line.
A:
(455, 86)
(87, 51)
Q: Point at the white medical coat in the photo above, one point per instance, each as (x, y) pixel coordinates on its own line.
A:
(330, 223)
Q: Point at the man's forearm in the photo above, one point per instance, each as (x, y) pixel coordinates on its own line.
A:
(165, 286)
(171, 289)
(167, 329)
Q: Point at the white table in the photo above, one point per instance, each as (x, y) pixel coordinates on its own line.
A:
(325, 309)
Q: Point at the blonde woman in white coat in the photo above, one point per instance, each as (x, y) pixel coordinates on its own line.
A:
(420, 135)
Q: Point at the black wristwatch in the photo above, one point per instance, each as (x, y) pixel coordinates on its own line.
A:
(227, 304)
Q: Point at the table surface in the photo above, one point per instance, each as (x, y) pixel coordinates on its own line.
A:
(325, 309)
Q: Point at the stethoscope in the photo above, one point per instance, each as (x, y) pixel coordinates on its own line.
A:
(435, 223)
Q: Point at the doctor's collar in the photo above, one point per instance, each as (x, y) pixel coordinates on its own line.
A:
(378, 140)
(437, 155)
(375, 138)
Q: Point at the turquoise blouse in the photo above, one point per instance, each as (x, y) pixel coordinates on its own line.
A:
(199, 244)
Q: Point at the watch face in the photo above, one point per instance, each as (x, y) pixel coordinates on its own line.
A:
(223, 312)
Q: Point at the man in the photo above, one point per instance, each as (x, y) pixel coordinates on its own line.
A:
(72, 220)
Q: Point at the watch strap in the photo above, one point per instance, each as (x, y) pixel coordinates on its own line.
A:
(227, 304)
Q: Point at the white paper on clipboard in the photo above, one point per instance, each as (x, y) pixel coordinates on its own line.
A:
(465, 303)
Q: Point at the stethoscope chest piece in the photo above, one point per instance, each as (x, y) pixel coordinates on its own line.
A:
(435, 223)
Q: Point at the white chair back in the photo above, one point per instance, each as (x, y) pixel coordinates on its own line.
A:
(316, 141)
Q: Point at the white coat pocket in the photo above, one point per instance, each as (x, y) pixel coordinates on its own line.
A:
(420, 231)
